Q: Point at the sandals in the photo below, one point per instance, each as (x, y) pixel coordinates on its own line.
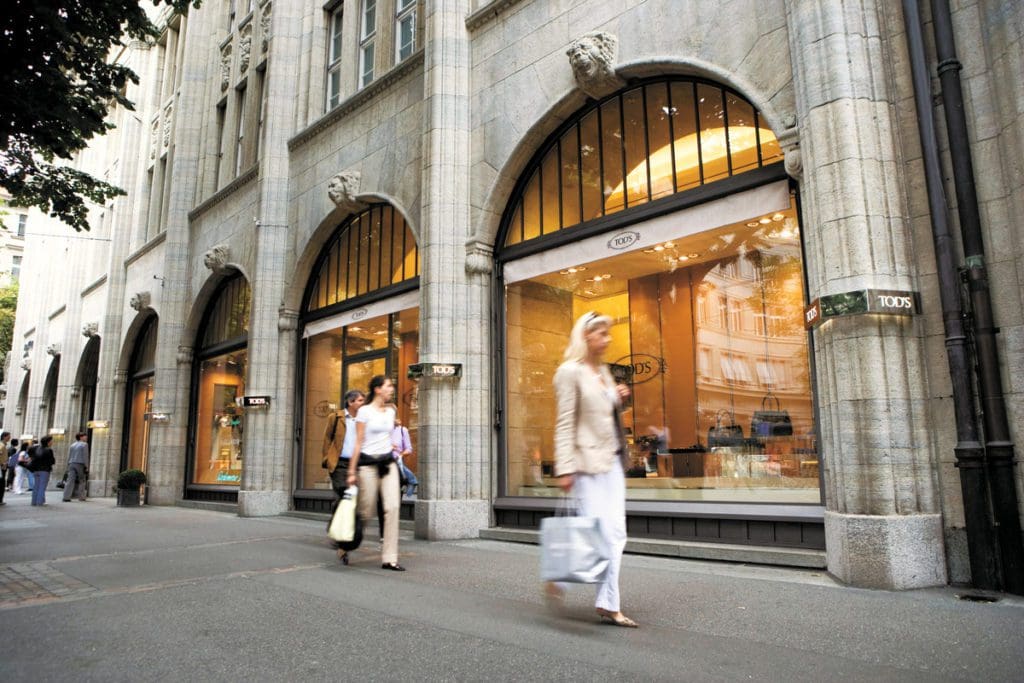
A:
(616, 618)
(554, 597)
(343, 556)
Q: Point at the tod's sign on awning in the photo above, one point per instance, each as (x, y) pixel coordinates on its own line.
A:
(877, 301)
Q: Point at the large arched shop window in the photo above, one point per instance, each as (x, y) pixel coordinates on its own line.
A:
(22, 408)
(219, 379)
(360, 318)
(702, 276)
(50, 393)
(139, 403)
(88, 373)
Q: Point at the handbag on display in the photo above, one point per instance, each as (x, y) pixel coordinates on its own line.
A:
(573, 548)
(725, 434)
(768, 422)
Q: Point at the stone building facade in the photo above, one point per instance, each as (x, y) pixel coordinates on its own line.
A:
(319, 193)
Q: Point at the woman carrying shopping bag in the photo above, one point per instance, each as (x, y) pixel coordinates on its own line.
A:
(589, 448)
(376, 467)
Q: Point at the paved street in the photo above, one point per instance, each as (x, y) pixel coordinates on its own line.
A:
(95, 593)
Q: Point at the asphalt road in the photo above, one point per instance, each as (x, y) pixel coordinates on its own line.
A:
(92, 592)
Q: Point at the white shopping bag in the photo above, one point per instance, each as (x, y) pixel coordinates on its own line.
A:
(573, 550)
(343, 524)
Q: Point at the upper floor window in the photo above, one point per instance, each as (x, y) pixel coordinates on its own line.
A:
(22, 222)
(367, 34)
(405, 29)
(334, 60)
(15, 267)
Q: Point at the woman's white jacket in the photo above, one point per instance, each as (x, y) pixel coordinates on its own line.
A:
(587, 436)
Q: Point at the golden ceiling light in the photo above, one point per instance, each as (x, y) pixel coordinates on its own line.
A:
(766, 220)
(753, 224)
(778, 217)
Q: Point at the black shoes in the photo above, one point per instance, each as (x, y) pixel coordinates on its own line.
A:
(393, 566)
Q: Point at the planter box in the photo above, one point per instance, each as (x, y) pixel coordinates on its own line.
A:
(128, 498)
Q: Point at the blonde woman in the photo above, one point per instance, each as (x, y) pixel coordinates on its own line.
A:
(376, 467)
(589, 447)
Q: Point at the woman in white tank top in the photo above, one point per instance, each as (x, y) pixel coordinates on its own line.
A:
(373, 466)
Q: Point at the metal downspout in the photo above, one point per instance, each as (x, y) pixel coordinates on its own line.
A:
(970, 455)
(999, 448)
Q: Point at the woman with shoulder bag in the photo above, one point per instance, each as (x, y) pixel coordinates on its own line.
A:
(42, 465)
(21, 481)
(590, 447)
(373, 466)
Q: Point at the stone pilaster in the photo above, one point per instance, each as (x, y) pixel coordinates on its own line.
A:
(269, 433)
(455, 448)
(168, 441)
(883, 527)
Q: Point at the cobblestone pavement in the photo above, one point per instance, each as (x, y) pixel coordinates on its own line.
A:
(37, 582)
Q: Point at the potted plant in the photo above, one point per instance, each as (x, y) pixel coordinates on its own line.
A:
(129, 484)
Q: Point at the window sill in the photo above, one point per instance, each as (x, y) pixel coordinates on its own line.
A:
(223, 193)
(357, 100)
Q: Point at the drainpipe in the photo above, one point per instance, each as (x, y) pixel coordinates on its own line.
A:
(999, 449)
(970, 455)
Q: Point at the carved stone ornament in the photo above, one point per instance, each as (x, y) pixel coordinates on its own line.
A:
(789, 141)
(90, 329)
(184, 356)
(140, 300)
(153, 140)
(168, 120)
(794, 164)
(26, 364)
(225, 67)
(244, 46)
(592, 58)
(265, 27)
(53, 350)
(76, 391)
(343, 190)
(217, 258)
(288, 320)
(479, 257)
(120, 376)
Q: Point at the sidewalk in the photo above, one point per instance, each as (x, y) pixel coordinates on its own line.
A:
(97, 592)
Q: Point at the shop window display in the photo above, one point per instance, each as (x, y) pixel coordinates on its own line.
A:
(221, 360)
(347, 357)
(140, 398)
(708, 333)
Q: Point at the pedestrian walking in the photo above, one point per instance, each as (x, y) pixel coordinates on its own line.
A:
(339, 440)
(11, 458)
(78, 468)
(402, 448)
(5, 439)
(42, 465)
(590, 447)
(374, 467)
(21, 480)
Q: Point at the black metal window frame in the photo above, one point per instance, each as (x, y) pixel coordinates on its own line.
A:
(703, 193)
(577, 230)
(334, 249)
(145, 342)
(205, 350)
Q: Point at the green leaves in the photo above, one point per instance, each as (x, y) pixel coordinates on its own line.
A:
(58, 85)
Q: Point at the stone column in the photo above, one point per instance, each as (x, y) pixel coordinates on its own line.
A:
(882, 523)
(269, 434)
(168, 441)
(454, 461)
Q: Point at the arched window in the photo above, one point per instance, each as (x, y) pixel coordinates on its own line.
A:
(637, 146)
(372, 251)
(664, 207)
(218, 380)
(360, 318)
(88, 372)
(50, 392)
(141, 370)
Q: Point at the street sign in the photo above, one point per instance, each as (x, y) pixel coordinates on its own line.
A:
(437, 370)
(253, 401)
